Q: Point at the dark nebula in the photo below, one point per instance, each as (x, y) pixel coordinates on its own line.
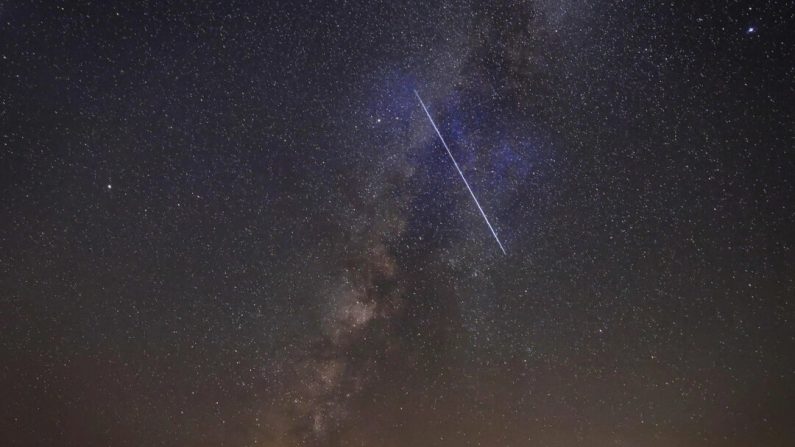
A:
(232, 224)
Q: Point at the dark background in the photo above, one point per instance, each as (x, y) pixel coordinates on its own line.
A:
(232, 223)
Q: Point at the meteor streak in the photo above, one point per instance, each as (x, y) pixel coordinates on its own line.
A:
(461, 173)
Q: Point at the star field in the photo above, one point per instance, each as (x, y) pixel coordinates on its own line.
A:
(232, 223)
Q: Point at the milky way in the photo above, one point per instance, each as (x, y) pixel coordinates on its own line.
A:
(231, 223)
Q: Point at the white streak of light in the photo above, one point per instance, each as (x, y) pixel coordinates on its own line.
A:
(461, 174)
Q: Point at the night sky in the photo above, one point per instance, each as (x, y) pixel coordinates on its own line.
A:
(233, 223)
